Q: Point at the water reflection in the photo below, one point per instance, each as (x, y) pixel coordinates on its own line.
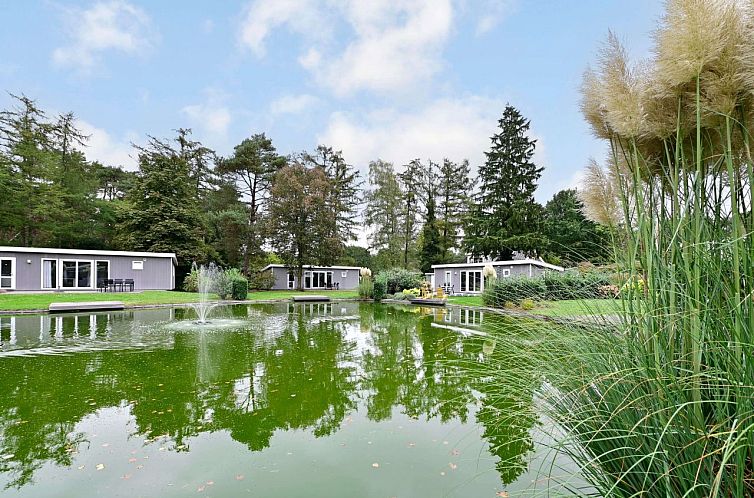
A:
(304, 367)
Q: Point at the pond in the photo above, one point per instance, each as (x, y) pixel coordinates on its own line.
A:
(328, 399)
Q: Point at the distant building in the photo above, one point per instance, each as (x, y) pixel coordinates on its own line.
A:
(315, 277)
(48, 269)
(466, 278)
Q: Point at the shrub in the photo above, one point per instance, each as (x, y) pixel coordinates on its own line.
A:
(366, 287)
(397, 279)
(191, 282)
(237, 284)
(401, 296)
(262, 280)
(411, 292)
(379, 290)
(528, 304)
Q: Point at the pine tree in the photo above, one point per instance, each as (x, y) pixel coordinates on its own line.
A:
(431, 247)
(344, 200)
(572, 237)
(383, 204)
(410, 183)
(455, 187)
(505, 217)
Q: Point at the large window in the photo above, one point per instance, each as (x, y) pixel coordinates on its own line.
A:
(77, 274)
(291, 280)
(7, 273)
(471, 281)
(49, 273)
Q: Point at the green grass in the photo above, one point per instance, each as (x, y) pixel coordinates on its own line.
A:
(19, 302)
(572, 307)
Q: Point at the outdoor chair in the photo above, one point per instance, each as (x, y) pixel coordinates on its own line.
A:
(118, 284)
(129, 282)
(102, 285)
(109, 284)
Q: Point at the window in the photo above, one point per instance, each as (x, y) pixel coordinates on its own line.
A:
(291, 280)
(343, 274)
(49, 273)
(7, 273)
(506, 272)
(318, 279)
(448, 277)
(471, 281)
(76, 274)
(137, 265)
(103, 273)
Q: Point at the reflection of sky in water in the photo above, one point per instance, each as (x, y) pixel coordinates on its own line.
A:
(290, 397)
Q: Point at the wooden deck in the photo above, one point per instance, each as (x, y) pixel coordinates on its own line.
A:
(310, 299)
(90, 306)
(428, 301)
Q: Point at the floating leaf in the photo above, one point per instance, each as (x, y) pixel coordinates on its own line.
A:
(502, 494)
(239, 477)
(125, 476)
(100, 466)
(131, 460)
(376, 465)
(455, 452)
(81, 467)
(210, 483)
(452, 466)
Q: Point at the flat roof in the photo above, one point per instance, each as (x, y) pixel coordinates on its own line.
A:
(502, 263)
(89, 252)
(309, 267)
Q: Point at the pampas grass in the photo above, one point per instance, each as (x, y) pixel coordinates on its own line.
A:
(660, 400)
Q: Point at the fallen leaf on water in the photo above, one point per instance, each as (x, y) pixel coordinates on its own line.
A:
(444, 442)
(455, 452)
(200, 489)
(502, 494)
(139, 467)
(126, 476)
(452, 466)
(80, 467)
(412, 444)
(239, 477)
(131, 460)
(442, 473)
(210, 483)
(100, 466)
(376, 465)
(105, 445)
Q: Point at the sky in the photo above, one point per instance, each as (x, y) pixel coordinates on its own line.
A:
(394, 80)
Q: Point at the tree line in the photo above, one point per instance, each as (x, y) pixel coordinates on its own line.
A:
(257, 206)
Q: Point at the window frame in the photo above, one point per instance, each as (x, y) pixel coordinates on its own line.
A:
(13, 272)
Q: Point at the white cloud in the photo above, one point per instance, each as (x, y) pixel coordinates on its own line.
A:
(114, 25)
(262, 16)
(395, 46)
(493, 13)
(452, 128)
(211, 117)
(110, 151)
(293, 104)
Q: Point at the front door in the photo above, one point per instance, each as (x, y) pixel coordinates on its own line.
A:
(7, 273)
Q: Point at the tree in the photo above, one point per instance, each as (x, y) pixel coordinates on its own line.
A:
(356, 256)
(383, 205)
(573, 238)
(344, 199)
(300, 222)
(162, 211)
(252, 167)
(455, 186)
(505, 217)
(410, 182)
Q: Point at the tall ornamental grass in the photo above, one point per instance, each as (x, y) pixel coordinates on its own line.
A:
(661, 404)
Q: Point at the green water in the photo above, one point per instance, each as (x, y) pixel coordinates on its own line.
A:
(324, 400)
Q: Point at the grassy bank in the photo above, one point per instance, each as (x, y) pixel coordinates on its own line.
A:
(572, 307)
(20, 302)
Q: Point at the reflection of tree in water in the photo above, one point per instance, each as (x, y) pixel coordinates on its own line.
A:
(283, 373)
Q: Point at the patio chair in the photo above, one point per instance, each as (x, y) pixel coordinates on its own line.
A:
(129, 282)
(118, 284)
(102, 285)
(109, 284)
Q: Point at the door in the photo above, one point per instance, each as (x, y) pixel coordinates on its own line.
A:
(7, 273)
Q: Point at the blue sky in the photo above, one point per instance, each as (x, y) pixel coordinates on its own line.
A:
(376, 78)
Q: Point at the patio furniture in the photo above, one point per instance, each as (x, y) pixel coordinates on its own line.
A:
(129, 282)
(102, 285)
(109, 284)
(118, 284)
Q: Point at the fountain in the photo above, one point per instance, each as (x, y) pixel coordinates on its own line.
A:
(208, 279)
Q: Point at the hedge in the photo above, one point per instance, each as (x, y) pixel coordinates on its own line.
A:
(551, 286)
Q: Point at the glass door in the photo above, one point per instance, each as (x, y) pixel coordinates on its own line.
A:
(103, 273)
(7, 273)
(49, 273)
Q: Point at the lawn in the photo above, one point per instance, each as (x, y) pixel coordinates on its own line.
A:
(13, 302)
(575, 307)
